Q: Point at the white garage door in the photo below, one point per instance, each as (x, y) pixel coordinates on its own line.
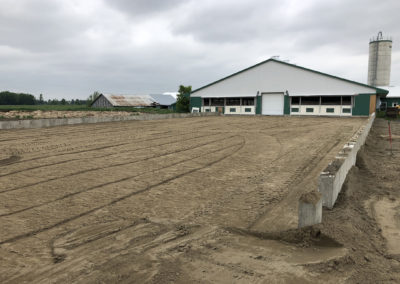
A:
(272, 104)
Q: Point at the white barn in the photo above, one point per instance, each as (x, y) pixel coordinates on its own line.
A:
(274, 87)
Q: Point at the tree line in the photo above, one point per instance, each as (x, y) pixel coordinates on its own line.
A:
(11, 98)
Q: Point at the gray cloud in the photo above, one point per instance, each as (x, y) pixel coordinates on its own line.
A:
(69, 48)
(37, 25)
(144, 7)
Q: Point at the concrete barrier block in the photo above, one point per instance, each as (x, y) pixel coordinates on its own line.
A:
(48, 122)
(310, 209)
(37, 123)
(333, 177)
(25, 123)
(325, 187)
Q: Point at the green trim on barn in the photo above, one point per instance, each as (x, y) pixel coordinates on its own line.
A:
(361, 105)
(390, 101)
(286, 107)
(195, 102)
(258, 104)
(173, 106)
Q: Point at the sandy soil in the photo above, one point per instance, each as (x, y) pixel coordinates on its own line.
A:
(199, 200)
(15, 114)
(366, 217)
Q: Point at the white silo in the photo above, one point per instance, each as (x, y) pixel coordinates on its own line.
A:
(380, 57)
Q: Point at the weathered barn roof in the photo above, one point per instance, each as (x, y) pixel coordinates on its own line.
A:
(124, 100)
(139, 100)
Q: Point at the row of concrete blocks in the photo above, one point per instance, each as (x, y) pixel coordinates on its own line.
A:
(331, 179)
(49, 122)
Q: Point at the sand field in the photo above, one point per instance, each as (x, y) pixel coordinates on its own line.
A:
(203, 199)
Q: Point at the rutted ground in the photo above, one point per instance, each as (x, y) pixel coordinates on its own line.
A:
(181, 200)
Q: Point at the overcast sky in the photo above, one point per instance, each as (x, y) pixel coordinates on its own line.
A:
(71, 48)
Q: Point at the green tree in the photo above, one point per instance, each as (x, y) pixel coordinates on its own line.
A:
(92, 98)
(183, 98)
(63, 102)
(10, 98)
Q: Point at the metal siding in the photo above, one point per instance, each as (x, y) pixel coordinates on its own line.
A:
(286, 108)
(164, 100)
(390, 101)
(131, 100)
(275, 76)
(361, 105)
(195, 102)
(258, 105)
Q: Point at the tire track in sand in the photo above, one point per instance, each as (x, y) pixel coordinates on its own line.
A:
(98, 168)
(237, 147)
(119, 180)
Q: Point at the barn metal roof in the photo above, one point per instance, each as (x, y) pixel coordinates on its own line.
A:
(164, 100)
(139, 100)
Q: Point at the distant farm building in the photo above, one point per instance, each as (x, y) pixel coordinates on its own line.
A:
(274, 87)
(138, 101)
(391, 100)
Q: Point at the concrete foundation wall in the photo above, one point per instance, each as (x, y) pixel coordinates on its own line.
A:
(49, 122)
(332, 178)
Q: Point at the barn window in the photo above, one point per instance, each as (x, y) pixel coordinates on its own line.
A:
(346, 110)
(309, 109)
(331, 100)
(330, 110)
(248, 101)
(206, 101)
(247, 109)
(233, 101)
(346, 100)
(232, 109)
(295, 109)
(295, 100)
(217, 102)
(310, 100)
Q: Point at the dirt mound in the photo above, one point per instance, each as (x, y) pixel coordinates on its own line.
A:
(302, 237)
(311, 197)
